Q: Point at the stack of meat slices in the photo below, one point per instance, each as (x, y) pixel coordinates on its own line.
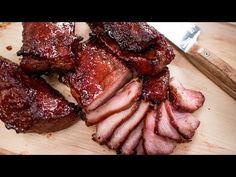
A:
(148, 114)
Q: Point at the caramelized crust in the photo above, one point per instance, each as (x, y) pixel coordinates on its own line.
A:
(155, 87)
(97, 77)
(29, 104)
(155, 53)
(48, 42)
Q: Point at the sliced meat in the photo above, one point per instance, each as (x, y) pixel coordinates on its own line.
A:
(29, 104)
(147, 56)
(185, 123)
(164, 126)
(106, 127)
(155, 144)
(185, 100)
(49, 43)
(122, 132)
(97, 77)
(132, 141)
(140, 149)
(123, 99)
(155, 87)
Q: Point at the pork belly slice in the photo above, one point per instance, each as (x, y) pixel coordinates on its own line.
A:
(155, 87)
(122, 100)
(164, 126)
(50, 44)
(138, 44)
(123, 131)
(155, 144)
(132, 141)
(29, 104)
(185, 123)
(97, 77)
(106, 127)
(140, 149)
(185, 100)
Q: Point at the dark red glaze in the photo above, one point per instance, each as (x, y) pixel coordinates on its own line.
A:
(96, 72)
(49, 42)
(156, 53)
(134, 37)
(29, 104)
(155, 87)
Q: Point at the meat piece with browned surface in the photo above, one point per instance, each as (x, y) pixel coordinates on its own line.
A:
(97, 77)
(185, 100)
(47, 47)
(106, 127)
(138, 44)
(29, 104)
(155, 144)
(122, 100)
(155, 87)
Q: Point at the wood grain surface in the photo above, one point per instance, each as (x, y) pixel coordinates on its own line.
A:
(217, 131)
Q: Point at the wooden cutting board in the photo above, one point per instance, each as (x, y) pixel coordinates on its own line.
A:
(217, 131)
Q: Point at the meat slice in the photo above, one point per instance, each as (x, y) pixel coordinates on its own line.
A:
(97, 77)
(132, 141)
(185, 100)
(164, 126)
(29, 104)
(49, 44)
(155, 87)
(148, 52)
(155, 144)
(123, 131)
(140, 149)
(123, 99)
(185, 123)
(106, 127)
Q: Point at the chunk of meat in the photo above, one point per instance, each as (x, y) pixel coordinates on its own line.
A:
(131, 36)
(50, 43)
(106, 127)
(97, 77)
(155, 144)
(164, 126)
(185, 123)
(29, 104)
(122, 132)
(155, 87)
(132, 141)
(122, 100)
(32, 64)
(149, 58)
(185, 100)
(140, 149)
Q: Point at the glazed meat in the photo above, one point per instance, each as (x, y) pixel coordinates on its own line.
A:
(106, 127)
(155, 87)
(154, 144)
(164, 126)
(29, 104)
(122, 132)
(185, 100)
(140, 149)
(97, 76)
(132, 141)
(134, 37)
(185, 123)
(148, 52)
(123, 99)
(47, 46)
